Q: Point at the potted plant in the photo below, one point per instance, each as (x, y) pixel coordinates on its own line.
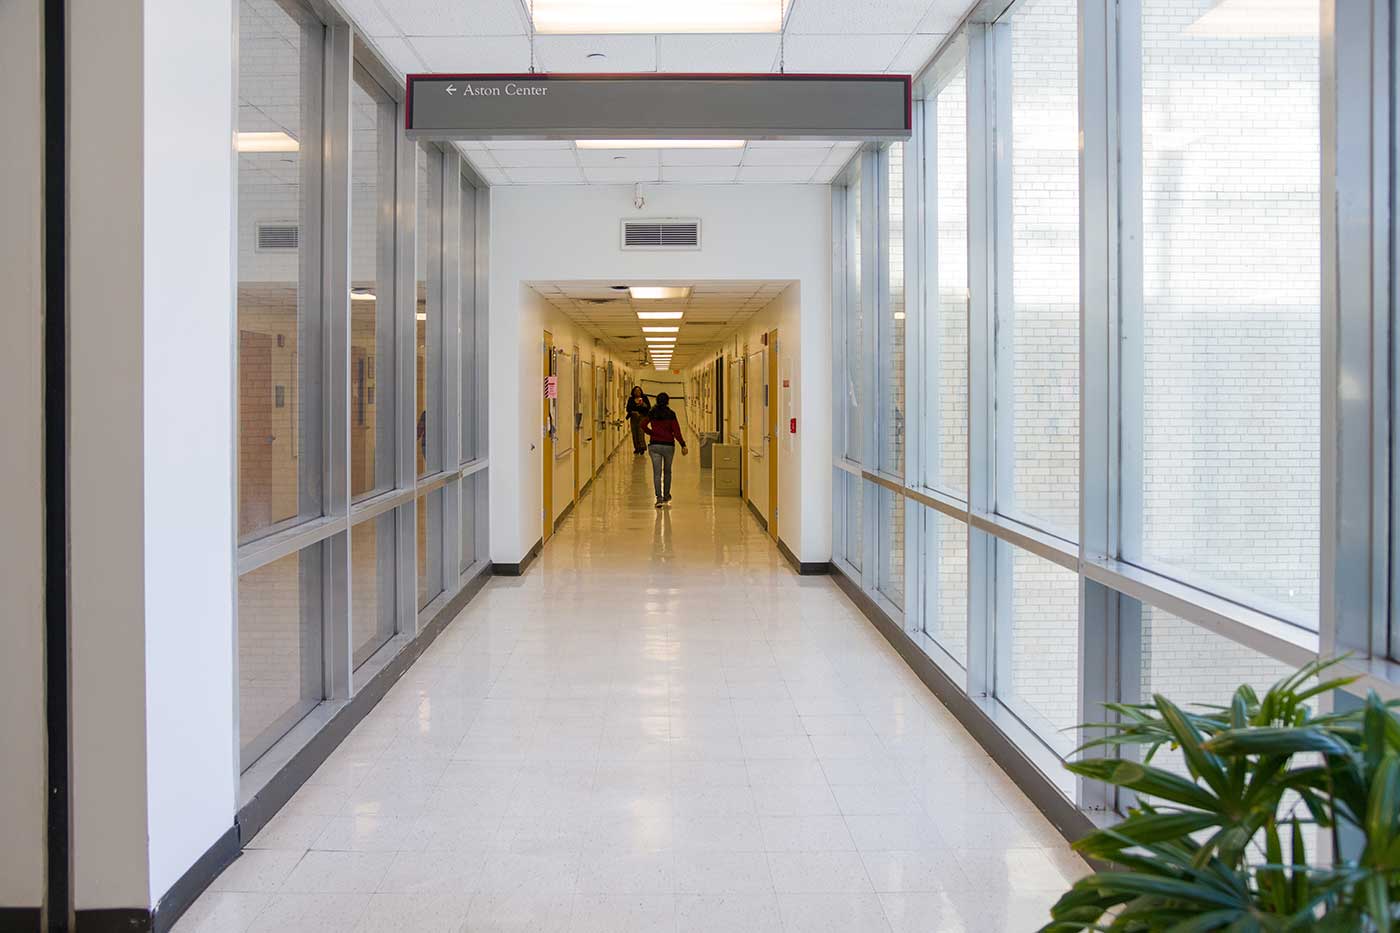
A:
(1224, 849)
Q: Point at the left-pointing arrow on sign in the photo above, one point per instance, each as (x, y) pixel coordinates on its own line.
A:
(450, 89)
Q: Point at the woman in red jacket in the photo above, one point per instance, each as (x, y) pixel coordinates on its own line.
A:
(664, 429)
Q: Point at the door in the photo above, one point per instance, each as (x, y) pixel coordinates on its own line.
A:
(770, 396)
(593, 414)
(744, 422)
(547, 441)
(576, 418)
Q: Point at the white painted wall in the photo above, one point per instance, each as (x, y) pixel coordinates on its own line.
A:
(557, 232)
(21, 469)
(151, 470)
(188, 391)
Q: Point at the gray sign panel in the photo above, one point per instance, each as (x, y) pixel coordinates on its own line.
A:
(658, 106)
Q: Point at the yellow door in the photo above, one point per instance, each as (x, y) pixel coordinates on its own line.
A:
(574, 409)
(547, 444)
(593, 417)
(774, 393)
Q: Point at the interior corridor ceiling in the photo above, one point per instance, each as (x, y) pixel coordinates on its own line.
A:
(818, 36)
(712, 312)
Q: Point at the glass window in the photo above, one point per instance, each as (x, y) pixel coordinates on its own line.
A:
(945, 583)
(428, 324)
(279, 268)
(372, 140)
(854, 520)
(948, 351)
(429, 518)
(473, 520)
(372, 566)
(473, 356)
(1231, 316)
(892, 329)
(1041, 318)
(890, 577)
(280, 664)
(1039, 675)
(854, 326)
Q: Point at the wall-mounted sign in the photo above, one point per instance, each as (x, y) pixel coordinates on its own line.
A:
(658, 106)
(551, 386)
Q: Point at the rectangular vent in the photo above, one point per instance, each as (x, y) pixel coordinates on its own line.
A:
(278, 236)
(661, 234)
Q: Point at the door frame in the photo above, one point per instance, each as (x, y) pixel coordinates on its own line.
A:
(774, 393)
(547, 441)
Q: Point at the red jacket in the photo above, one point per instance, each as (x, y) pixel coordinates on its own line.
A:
(666, 431)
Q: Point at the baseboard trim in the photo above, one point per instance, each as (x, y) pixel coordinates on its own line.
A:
(1068, 820)
(196, 878)
(762, 520)
(21, 919)
(813, 568)
(256, 813)
(564, 514)
(114, 920)
(515, 570)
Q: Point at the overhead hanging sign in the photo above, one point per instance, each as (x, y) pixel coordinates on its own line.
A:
(658, 106)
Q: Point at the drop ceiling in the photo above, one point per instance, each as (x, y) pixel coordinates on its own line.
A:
(712, 313)
(824, 36)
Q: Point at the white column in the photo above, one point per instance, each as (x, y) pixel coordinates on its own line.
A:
(151, 463)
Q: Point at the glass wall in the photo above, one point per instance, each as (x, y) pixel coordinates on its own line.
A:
(334, 548)
(1122, 416)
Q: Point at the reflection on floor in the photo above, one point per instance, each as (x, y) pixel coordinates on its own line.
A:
(659, 727)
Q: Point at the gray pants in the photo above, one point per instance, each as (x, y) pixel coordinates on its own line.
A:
(661, 457)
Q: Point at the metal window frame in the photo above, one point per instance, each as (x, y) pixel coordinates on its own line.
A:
(344, 55)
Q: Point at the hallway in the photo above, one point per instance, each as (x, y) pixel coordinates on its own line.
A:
(661, 727)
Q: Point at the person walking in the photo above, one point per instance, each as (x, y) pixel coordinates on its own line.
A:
(664, 429)
(637, 410)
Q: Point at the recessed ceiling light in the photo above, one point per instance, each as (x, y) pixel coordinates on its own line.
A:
(267, 142)
(659, 143)
(665, 16)
(660, 315)
(653, 292)
(359, 294)
(661, 330)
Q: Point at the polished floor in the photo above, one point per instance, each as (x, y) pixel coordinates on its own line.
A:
(659, 727)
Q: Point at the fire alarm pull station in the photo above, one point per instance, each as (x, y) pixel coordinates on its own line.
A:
(792, 425)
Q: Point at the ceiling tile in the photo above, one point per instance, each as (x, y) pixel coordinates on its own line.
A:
(943, 16)
(842, 54)
(458, 17)
(483, 161)
(534, 158)
(701, 156)
(775, 173)
(716, 53)
(400, 54)
(369, 18)
(621, 174)
(844, 17)
(493, 176)
(699, 174)
(916, 53)
(825, 173)
(786, 156)
(558, 175)
(570, 53)
(474, 54)
(618, 157)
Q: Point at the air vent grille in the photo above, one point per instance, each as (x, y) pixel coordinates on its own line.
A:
(661, 234)
(278, 236)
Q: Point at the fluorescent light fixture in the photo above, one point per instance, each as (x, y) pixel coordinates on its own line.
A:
(660, 315)
(267, 142)
(422, 315)
(661, 340)
(660, 330)
(665, 16)
(358, 295)
(899, 315)
(659, 143)
(1257, 19)
(651, 292)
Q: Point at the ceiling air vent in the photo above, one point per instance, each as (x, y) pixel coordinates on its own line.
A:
(278, 236)
(661, 234)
